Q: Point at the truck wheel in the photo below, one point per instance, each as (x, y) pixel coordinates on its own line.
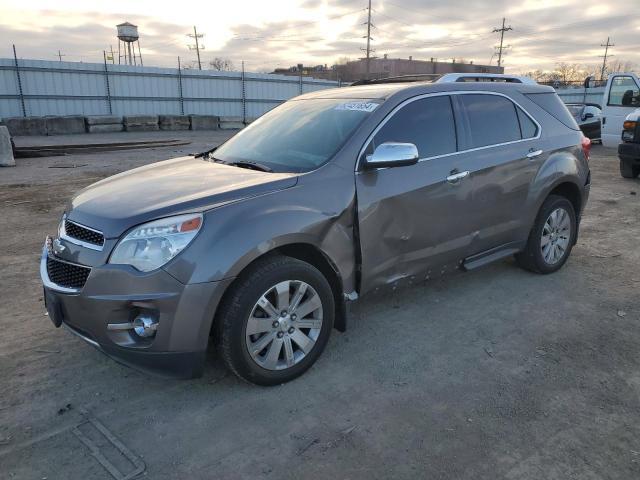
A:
(552, 237)
(275, 322)
(627, 170)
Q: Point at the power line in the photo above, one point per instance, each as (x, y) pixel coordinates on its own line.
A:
(604, 61)
(501, 30)
(195, 35)
(368, 37)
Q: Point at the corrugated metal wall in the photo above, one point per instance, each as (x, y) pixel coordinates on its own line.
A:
(70, 88)
(577, 95)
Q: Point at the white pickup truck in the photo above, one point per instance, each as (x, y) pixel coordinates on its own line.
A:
(629, 149)
(621, 98)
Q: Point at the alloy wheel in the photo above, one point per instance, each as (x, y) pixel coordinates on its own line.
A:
(284, 325)
(556, 235)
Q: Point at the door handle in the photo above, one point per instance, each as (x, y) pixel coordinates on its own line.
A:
(456, 176)
(534, 153)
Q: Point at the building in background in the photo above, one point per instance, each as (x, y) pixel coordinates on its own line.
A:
(386, 67)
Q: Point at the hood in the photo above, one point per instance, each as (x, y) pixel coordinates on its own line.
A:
(180, 185)
(634, 116)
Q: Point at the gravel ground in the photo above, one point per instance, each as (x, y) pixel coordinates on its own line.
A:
(495, 373)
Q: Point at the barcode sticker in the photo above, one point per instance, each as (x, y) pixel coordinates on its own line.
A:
(358, 106)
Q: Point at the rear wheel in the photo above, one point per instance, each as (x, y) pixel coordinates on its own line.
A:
(552, 237)
(627, 170)
(276, 321)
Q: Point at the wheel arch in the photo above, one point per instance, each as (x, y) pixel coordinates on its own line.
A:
(306, 252)
(571, 192)
(568, 189)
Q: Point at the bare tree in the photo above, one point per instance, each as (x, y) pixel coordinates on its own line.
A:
(537, 75)
(568, 72)
(617, 65)
(221, 64)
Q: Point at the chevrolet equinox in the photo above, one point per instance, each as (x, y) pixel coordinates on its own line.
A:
(257, 245)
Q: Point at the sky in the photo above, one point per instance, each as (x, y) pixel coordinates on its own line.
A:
(268, 34)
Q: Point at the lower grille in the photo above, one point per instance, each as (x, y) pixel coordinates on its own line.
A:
(66, 274)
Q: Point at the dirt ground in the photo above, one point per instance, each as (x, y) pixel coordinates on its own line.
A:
(496, 373)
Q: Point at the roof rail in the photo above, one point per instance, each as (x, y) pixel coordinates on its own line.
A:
(423, 77)
(484, 77)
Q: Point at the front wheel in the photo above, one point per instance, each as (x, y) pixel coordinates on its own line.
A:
(276, 320)
(552, 237)
(627, 170)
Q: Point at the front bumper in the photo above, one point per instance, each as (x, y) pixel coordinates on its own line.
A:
(629, 152)
(114, 294)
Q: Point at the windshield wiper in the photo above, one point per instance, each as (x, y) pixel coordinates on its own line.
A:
(250, 165)
(242, 164)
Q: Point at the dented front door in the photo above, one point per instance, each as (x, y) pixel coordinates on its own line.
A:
(412, 221)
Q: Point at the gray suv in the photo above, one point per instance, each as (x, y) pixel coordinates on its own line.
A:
(257, 246)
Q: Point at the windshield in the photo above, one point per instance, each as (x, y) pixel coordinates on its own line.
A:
(297, 136)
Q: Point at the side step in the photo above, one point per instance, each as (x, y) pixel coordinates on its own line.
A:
(483, 258)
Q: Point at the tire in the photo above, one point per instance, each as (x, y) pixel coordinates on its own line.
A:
(266, 280)
(627, 170)
(533, 257)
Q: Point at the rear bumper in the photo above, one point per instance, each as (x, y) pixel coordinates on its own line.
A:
(629, 152)
(117, 294)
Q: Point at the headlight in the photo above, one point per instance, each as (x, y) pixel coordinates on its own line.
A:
(151, 245)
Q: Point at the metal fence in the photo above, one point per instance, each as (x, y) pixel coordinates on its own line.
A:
(579, 95)
(559, 84)
(39, 88)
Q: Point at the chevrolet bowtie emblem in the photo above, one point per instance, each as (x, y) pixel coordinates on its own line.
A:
(58, 248)
(54, 246)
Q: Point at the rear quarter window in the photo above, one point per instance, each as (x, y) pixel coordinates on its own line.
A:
(551, 103)
(527, 127)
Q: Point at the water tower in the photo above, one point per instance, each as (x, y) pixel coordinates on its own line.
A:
(127, 41)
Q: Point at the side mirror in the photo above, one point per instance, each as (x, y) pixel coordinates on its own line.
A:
(392, 154)
(588, 115)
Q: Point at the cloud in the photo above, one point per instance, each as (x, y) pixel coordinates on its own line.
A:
(279, 34)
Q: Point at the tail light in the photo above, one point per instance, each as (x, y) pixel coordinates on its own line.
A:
(586, 147)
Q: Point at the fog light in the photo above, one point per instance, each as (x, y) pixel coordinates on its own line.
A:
(145, 326)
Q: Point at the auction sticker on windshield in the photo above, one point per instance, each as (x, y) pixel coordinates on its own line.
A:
(358, 106)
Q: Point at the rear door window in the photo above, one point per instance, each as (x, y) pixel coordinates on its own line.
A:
(428, 123)
(492, 119)
(624, 92)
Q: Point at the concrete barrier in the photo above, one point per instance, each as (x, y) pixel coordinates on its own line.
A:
(231, 123)
(105, 128)
(141, 123)
(174, 122)
(104, 124)
(64, 125)
(204, 122)
(6, 152)
(19, 126)
(103, 120)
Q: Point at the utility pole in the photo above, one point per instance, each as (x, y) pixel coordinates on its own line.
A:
(606, 53)
(60, 55)
(368, 37)
(501, 30)
(195, 35)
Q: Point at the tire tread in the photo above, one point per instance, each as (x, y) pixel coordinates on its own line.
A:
(232, 307)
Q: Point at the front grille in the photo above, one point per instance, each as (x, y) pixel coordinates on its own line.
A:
(66, 274)
(79, 232)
